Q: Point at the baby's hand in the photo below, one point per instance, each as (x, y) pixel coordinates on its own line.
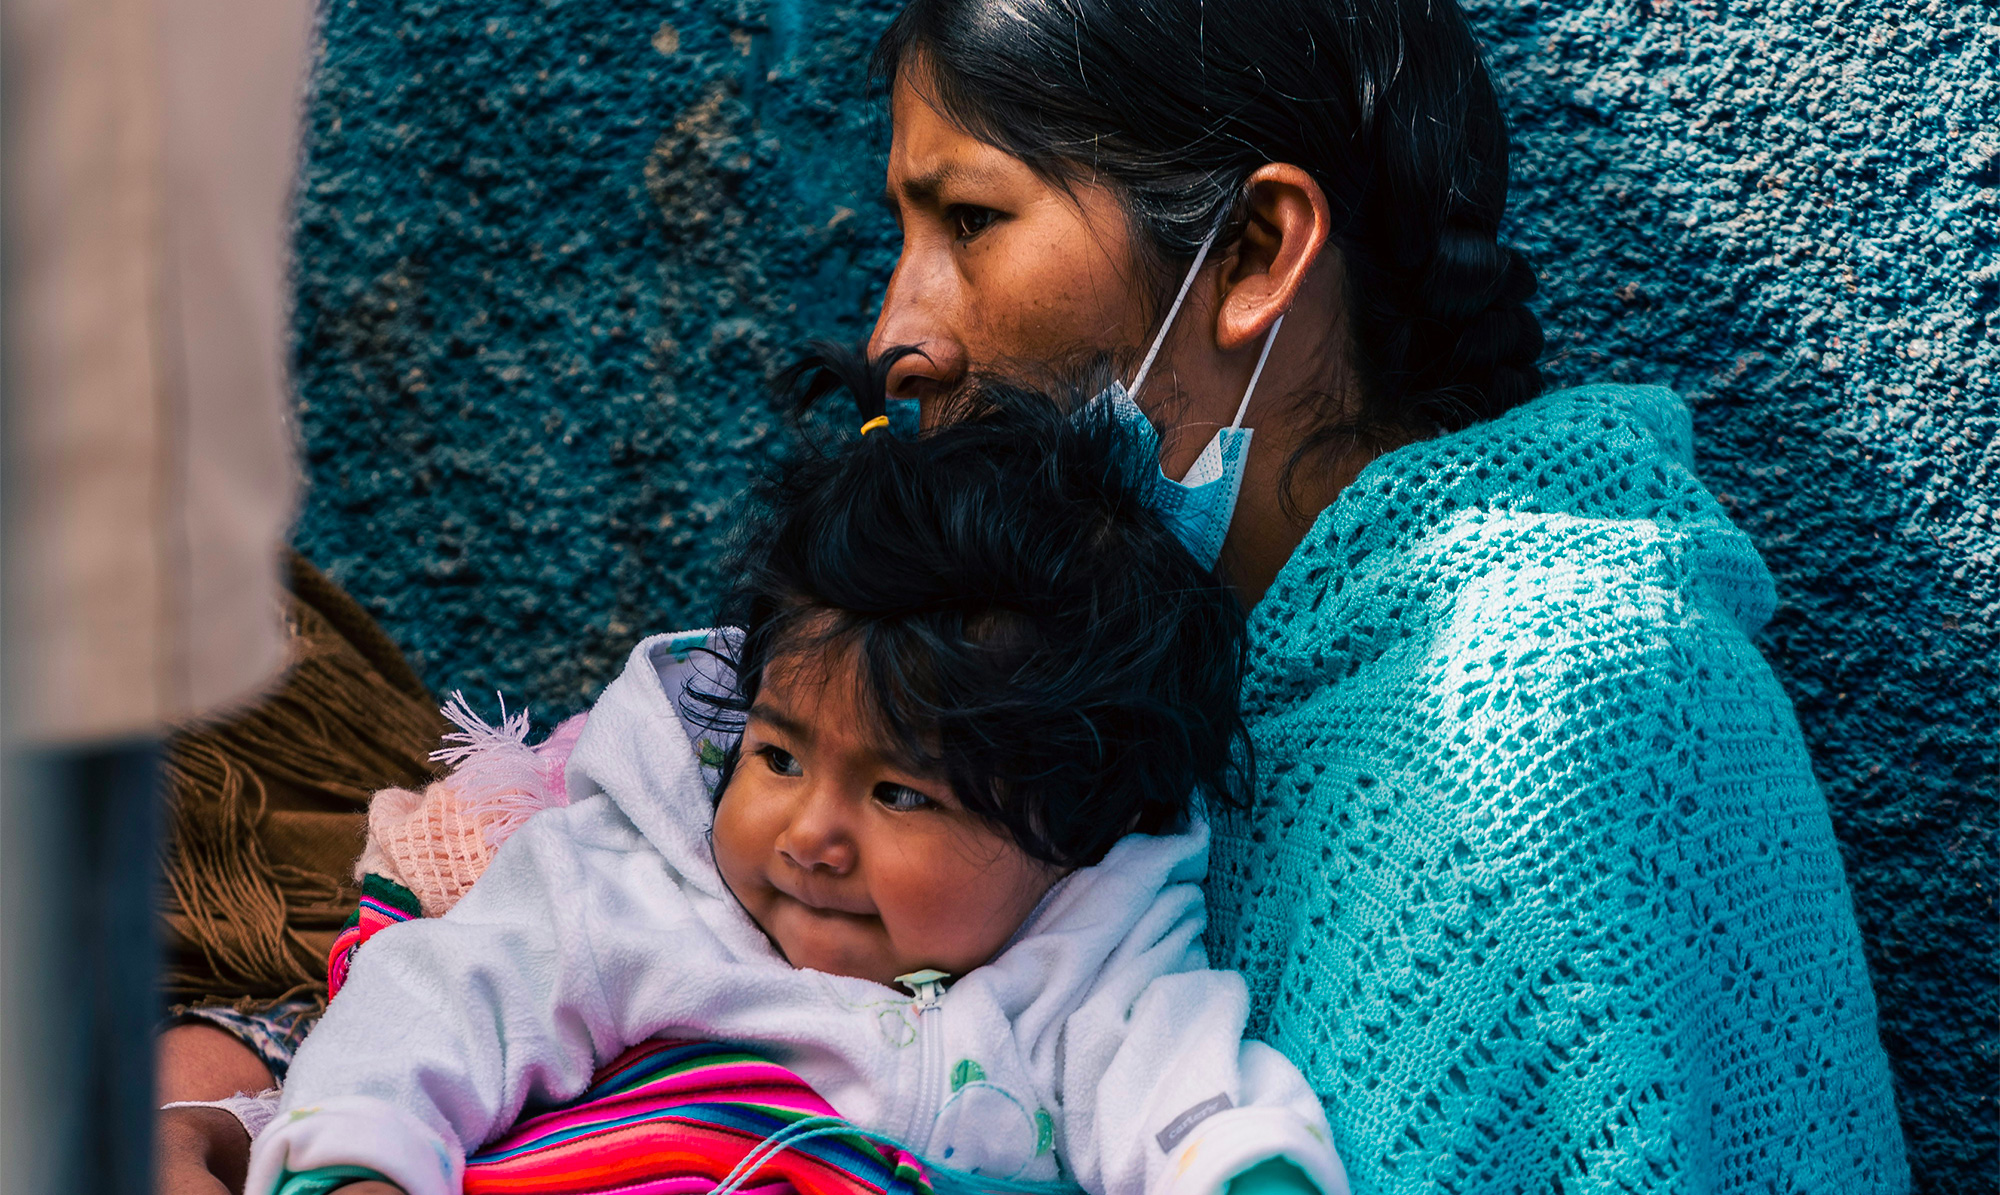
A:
(368, 1186)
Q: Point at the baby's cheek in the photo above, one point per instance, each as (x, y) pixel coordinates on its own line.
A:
(735, 836)
(953, 918)
(913, 903)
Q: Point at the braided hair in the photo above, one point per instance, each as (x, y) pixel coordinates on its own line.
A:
(1386, 103)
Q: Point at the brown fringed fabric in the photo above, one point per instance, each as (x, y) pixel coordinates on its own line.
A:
(267, 804)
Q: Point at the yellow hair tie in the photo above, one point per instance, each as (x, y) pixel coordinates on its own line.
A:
(872, 424)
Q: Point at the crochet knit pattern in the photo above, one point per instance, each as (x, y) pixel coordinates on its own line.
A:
(436, 843)
(1539, 889)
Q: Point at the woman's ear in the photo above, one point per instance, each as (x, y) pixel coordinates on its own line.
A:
(1284, 237)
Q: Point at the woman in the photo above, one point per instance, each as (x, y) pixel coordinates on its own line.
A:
(1538, 888)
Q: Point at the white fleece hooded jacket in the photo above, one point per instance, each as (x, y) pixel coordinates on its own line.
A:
(1100, 1046)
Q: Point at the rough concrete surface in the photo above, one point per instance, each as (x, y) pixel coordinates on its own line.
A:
(549, 254)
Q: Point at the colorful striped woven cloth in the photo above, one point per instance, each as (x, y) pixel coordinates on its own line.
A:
(677, 1118)
(665, 1117)
(384, 903)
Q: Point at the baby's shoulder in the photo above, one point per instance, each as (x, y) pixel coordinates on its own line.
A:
(593, 827)
(580, 846)
(589, 858)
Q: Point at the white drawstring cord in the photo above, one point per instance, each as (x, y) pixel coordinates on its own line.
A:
(793, 1134)
(1160, 337)
(1270, 338)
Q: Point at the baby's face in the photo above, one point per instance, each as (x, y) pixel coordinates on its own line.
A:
(849, 860)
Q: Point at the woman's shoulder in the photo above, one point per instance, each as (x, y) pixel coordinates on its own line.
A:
(1522, 763)
(1575, 521)
(1557, 576)
(1614, 453)
(1545, 630)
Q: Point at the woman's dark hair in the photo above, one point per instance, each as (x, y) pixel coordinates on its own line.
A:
(1023, 623)
(1386, 103)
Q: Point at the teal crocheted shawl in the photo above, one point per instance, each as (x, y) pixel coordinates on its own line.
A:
(1538, 888)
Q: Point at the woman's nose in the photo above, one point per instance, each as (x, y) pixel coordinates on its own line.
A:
(816, 838)
(914, 314)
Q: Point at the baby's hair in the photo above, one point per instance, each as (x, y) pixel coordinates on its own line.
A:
(1026, 627)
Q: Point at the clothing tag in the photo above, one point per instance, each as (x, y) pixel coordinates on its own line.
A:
(1178, 1128)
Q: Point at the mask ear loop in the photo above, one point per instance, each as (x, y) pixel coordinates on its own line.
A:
(1270, 338)
(1160, 337)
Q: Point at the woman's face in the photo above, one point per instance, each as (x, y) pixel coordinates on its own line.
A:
(998, 265)
(1002, 270)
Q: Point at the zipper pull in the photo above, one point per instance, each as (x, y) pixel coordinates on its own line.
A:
(927, 986)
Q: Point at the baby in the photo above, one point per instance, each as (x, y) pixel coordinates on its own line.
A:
(934, 842)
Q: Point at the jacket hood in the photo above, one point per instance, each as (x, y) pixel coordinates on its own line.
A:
(643, 753)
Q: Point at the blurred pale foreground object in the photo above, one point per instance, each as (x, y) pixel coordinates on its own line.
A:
(152, 148)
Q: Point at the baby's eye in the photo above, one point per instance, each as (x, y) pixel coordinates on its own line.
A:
(902, 798)
(968, 220)
(781, 761)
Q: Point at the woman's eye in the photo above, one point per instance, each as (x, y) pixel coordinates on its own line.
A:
(781, 761)
(969, 220)
(902, 798)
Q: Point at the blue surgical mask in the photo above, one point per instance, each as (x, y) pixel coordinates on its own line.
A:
(1197, 508)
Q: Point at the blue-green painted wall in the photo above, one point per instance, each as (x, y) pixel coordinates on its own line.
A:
(549, 253)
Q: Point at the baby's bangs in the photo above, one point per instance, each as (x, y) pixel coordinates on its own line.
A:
(916, 674)
(895, 696)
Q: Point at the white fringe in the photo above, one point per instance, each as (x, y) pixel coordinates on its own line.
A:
(499, 778)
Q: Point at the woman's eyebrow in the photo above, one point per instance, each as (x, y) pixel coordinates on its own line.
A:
(783, 722)
(925, 188)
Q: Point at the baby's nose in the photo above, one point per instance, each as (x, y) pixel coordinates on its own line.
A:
(816, 841)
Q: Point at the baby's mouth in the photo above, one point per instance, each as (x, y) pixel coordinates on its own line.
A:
(832, 904)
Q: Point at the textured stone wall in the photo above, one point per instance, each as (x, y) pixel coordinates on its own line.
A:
(548, 255)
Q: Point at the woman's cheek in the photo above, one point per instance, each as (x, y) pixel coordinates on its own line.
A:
(1026, 301)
